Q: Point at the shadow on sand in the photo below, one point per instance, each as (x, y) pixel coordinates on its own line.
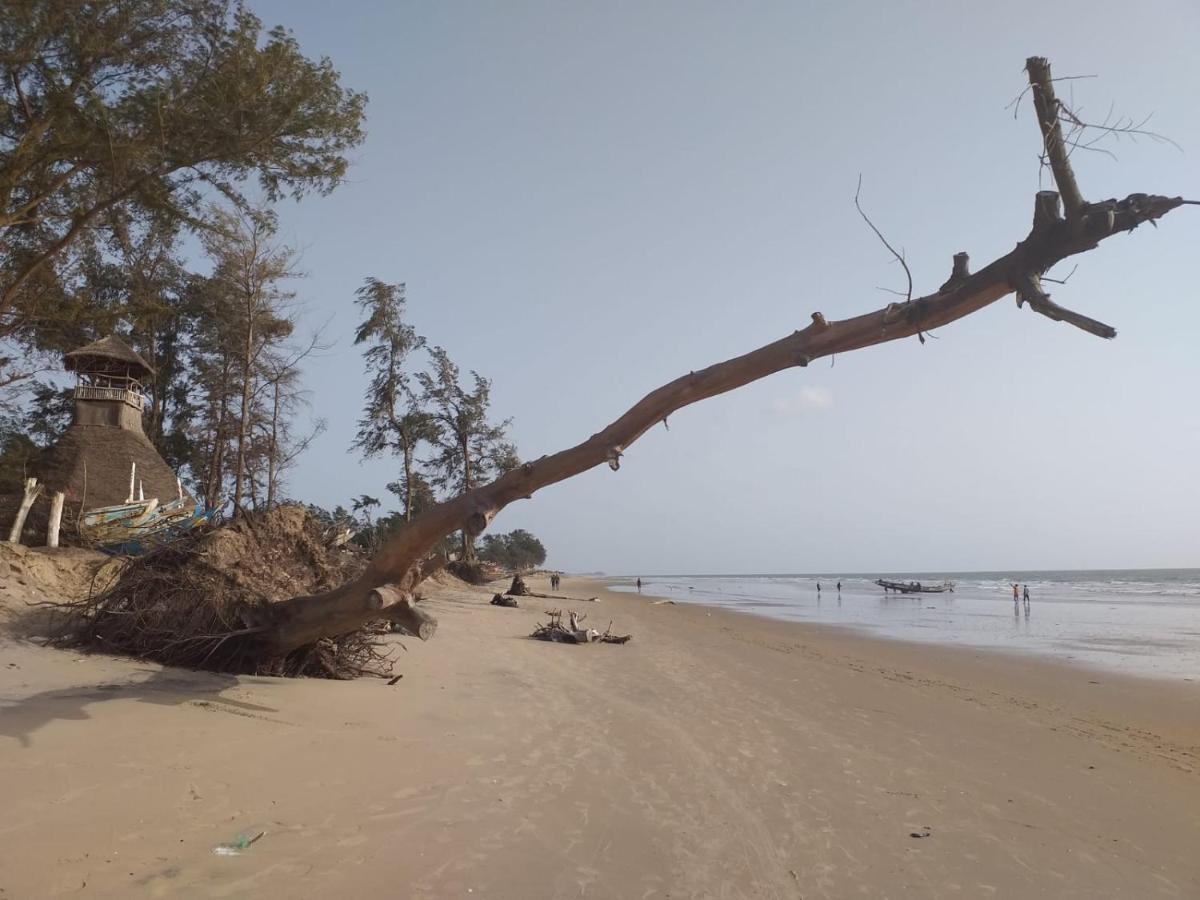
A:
(20, 718)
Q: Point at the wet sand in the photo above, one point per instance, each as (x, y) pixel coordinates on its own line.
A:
(716, 755)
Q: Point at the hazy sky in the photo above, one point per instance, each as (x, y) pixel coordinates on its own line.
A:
(589, 199)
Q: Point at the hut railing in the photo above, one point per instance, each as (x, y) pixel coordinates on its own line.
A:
(91, 392)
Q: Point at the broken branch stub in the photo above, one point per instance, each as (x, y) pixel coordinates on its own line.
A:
(399, 607)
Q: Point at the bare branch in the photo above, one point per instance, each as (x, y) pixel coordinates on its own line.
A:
(1029, 290)
(1048, 107)
(879, 234)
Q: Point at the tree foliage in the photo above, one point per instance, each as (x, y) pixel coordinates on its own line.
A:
(469, 449)
(518, 550)
(394, 419)
(147, 107)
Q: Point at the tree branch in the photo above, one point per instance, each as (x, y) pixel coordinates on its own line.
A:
(1051, 239)
(1047, 106)
(304, 619)
(1029, 290)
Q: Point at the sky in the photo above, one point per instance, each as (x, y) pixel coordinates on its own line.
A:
(587, 200)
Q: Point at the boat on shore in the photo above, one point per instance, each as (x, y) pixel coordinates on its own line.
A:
(131, 529)
(915, 587)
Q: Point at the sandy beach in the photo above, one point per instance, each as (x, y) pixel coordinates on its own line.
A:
(715, 755)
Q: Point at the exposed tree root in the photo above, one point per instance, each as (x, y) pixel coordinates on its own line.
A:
(205, 601)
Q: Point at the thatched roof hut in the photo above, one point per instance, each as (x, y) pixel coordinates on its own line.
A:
(91, 465)
(108, 355)
(91, 462)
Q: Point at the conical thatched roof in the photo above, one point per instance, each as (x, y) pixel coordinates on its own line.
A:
(90, 464)
(108, 349)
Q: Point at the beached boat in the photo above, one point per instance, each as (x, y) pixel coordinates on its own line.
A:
(915, 587)
(130, 529)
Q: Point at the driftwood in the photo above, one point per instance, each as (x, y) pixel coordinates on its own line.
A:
(1055, 235)
(573, 632)
(561, 597)
(501, 600)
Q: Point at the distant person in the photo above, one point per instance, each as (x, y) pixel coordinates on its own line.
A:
(1026, 596)
(839, 587)
(639, 584)
(818, 587)
(1014, 593)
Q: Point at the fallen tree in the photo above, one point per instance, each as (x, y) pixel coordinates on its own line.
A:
(1064, 225)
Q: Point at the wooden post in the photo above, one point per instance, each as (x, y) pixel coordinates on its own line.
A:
(141, 493)
(32, 489)
(56, 508)
(132, 479)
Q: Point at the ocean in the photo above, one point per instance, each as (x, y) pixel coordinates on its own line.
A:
(1138, 621)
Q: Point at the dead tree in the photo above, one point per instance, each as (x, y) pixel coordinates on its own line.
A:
(1064, 224)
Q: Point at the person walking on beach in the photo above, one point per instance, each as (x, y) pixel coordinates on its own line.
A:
(1027, 596)
(639, 584)
(818, 587)
(1014, 593)
(839, 587)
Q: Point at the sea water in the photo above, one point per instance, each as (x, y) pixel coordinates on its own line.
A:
(1139, 621)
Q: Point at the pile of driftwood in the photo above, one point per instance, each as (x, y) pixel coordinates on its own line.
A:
(573, 633)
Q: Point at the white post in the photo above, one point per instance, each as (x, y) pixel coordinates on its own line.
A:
(141, 493)
(32, 489)
(179, 487)
(132, 473)
(56, 506)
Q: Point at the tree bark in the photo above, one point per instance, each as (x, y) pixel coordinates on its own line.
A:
(408, 475)
(247, 360)
(1051, 239)
(273, 448)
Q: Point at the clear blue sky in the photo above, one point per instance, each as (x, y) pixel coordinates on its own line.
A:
(588, 200)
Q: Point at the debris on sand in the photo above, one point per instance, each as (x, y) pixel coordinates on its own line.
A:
(501, 600)
(572, 633)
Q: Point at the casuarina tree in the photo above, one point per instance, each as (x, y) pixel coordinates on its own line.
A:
(154, 105)
(394, 419)
(469, 449)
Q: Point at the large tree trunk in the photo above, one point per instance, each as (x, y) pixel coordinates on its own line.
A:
(244, 419)
(216, 465)
(273, 446)
(1052, 238)
(408, 478)
(467, 536)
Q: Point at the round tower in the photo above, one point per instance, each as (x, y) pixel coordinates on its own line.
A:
(108, 389)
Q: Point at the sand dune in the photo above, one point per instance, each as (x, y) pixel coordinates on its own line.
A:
(716, 755)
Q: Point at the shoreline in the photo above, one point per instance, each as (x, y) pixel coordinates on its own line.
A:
(718, 754)
(1157, 704)
(1108, 634)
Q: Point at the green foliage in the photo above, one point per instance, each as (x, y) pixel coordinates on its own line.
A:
(468, 450)
(394, 419)
(518, 550)
(49, 414)
(146, 107)
(17, 457)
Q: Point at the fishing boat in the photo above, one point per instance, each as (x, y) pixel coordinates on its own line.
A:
(915, 587)
(131, 529)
